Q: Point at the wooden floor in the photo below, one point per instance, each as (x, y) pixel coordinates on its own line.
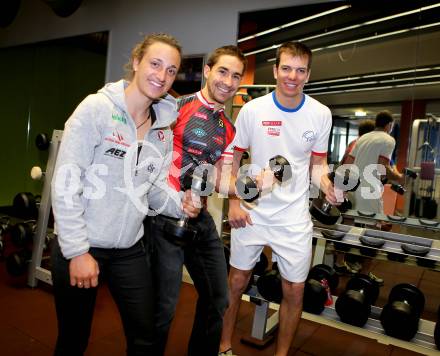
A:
(28, 322)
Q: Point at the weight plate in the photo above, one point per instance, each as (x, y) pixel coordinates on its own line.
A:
(392, 256)
(352, 308)
(322, 271)
(428, 222)
(269, 286)
(366, 213)
(409, 293)
(396, 218)
(42, 141)
(363, 282)
(315, 296)
(416, 250)
(398, 322)
(372, 241)
(179, 235)
(325, 217)
(333, 235)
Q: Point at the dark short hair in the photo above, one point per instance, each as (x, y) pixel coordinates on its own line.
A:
(141, 47)
(227, 50)
(366, 126)
(383, 119)
(295, 49)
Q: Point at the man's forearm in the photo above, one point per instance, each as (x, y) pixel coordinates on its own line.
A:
(393, 173)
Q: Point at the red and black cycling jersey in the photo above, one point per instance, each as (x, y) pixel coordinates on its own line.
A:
(201, 135)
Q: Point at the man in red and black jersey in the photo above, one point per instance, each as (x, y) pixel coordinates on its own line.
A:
(202, 135)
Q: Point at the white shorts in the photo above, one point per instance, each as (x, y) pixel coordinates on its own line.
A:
(291, 248)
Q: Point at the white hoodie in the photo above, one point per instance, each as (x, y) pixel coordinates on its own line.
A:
(100, 184)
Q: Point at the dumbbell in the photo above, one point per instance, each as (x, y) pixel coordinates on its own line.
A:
(25, 205)
(345, 206)
(258, 270)
(22, 233)
(372, 245)
(354, 305)
(410, 173)
(180, 231)
(437, 330)
(261, 266)
(398, 188)
(17, 262)
(322, 210)
(400, 316)
(269, 285)
(247, 187)
(42, 141)
(321, 281)
(4, 226)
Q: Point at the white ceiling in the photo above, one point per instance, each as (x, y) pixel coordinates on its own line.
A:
(413, 49)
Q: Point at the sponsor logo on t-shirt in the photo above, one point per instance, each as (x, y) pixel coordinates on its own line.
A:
(201, 115)
(218, 139)
(194, 151)
(271, 123)
(151, 168)
(117, 138)
(198, 143)
(308, 136)
(119, 118)
(273, 131)
(161, 135)
(115, 152)
(199, 132)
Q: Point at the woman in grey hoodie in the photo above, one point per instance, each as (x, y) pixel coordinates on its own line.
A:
(113, 160)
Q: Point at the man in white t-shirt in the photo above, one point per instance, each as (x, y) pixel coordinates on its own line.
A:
(289, 123)
(372, 156)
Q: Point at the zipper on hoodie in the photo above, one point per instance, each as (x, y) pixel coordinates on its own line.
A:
(153, 120)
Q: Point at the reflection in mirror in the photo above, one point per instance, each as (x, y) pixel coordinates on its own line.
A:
(368, 56)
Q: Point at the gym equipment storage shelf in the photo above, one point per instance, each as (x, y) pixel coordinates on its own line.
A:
(349, 237)
(264, 325)
(419, 223)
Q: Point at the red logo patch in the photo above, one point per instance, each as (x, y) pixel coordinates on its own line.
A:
(194, 151)
(271, 123)
(117, 138)
(161, 135)
(272, 131)
(201, 115)
(218, 139)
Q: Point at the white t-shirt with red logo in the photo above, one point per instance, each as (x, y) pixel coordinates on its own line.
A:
(267, 129)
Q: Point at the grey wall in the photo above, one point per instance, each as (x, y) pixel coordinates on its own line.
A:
(199, 25)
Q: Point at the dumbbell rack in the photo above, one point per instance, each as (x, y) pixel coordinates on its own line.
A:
(392, 244)
(367, 217)
(263, 326)
(423, 342)
(36, 272)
